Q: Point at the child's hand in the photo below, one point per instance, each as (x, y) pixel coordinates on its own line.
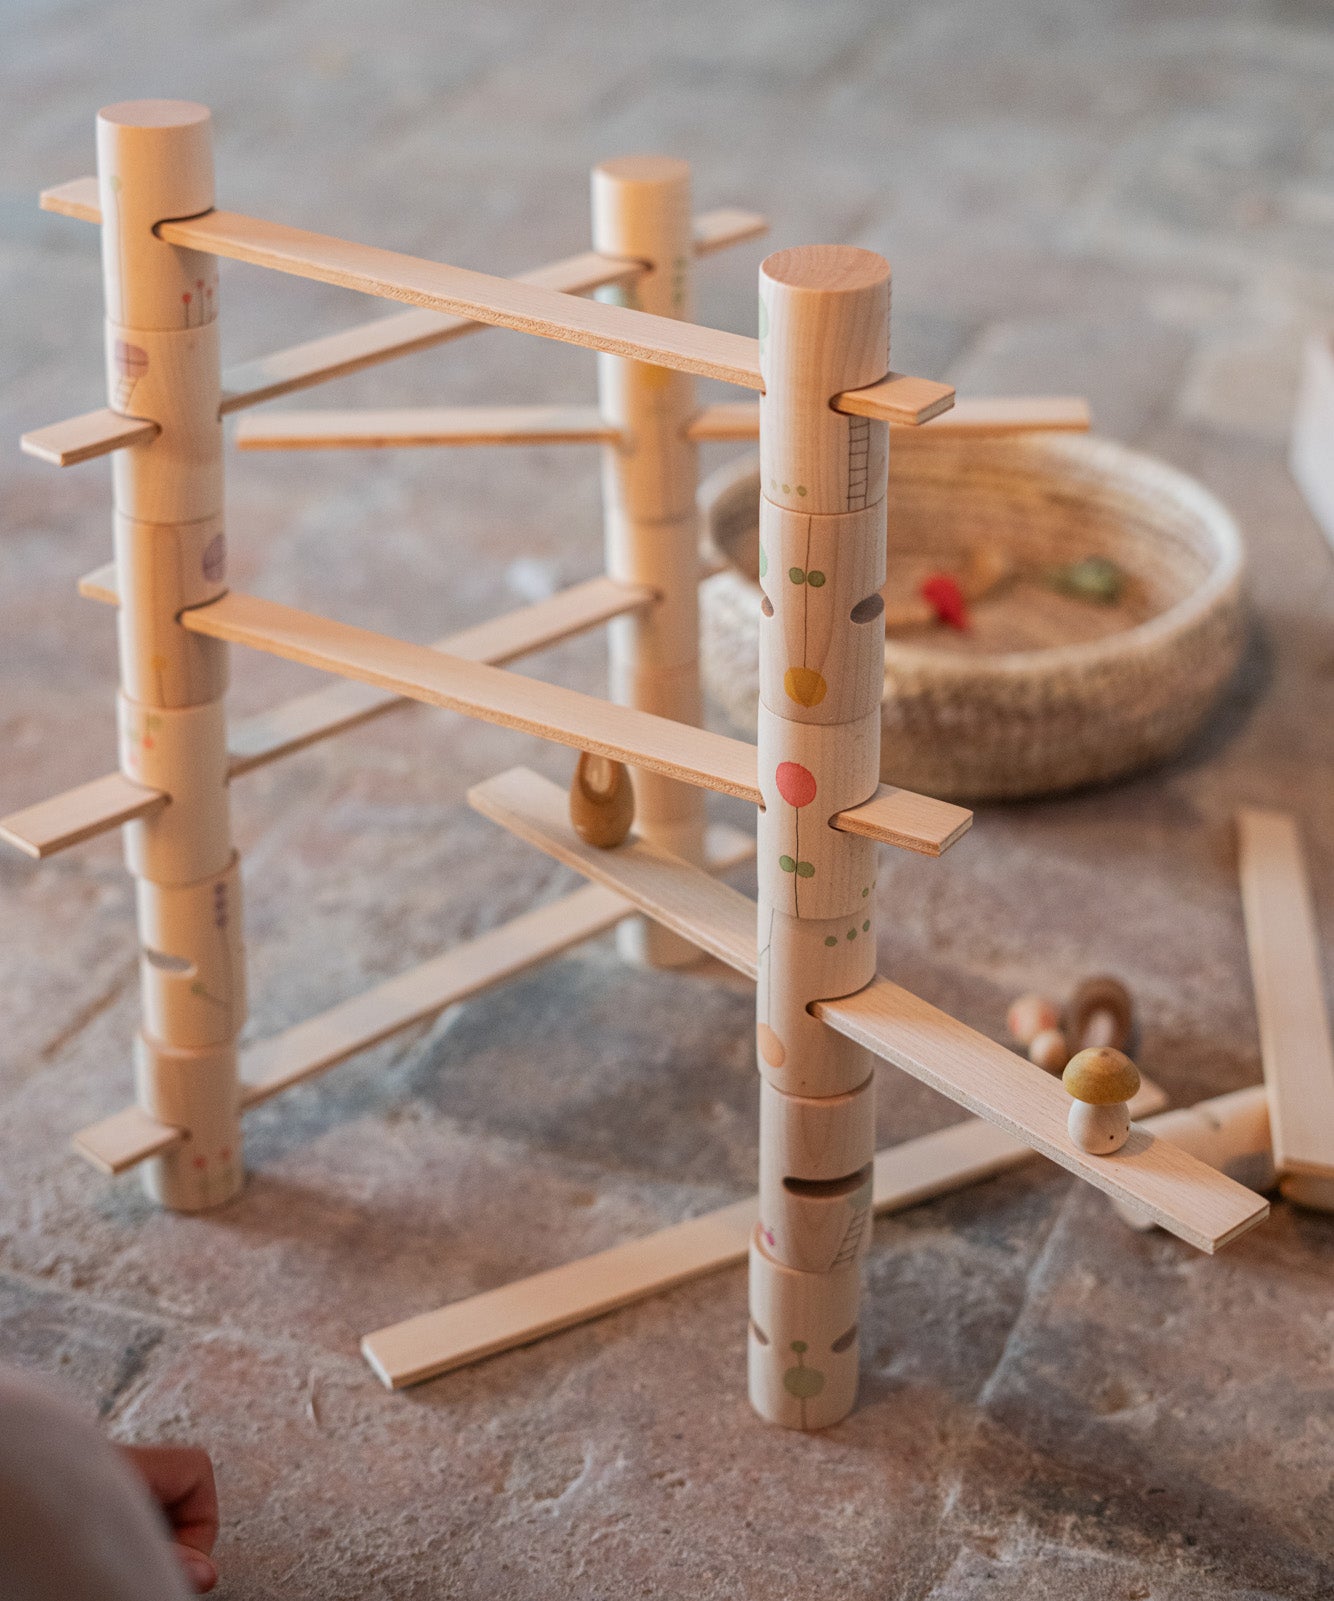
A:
(180, 1480)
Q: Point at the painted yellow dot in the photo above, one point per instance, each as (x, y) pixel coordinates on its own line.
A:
(769, 1045)
(805, 686)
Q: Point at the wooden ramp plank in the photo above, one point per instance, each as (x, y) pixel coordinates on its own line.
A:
(562, 1297)
(584, 722)
(78, 814)
(95, 433)
(402, 427)
(125, 1139)
(1284, 944)
(1182, 1195)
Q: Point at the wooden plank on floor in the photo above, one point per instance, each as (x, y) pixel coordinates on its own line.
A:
(1284, 944)
(1181, 1194)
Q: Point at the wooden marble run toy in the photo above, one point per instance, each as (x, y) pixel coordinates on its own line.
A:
(827, 401)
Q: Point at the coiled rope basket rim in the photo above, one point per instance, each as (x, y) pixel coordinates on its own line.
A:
(1001, 726)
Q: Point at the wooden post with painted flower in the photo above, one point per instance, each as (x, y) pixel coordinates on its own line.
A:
(824, 328)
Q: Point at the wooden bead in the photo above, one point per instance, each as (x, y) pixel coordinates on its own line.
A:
(161, 569)
(809, 773)
(197, 1091)
(1030, 1015)
(181, 752)
(824, 328)
(803, 960)
(1049, 1050)
(822, 637)
(192, 962)
(802, 1353)
(816, 1176)
(171, 377)
(602, 803)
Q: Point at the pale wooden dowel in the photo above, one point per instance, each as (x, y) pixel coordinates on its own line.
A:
(1311, 453)
(126, 1138)
(1284, 944)
(417, 672)
(641, 209)
(1191, 1201)
(154, 160)
(424, 425)
(740, 419)
(96, 433)
(54, 825)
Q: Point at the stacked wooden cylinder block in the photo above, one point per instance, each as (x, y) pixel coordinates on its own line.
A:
(824, 328)
(163, 366)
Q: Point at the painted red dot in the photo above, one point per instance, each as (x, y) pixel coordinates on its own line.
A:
(201, 1162)
(796, 784)
(225, 1154)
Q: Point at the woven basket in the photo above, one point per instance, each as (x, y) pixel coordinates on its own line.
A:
(1045, 692)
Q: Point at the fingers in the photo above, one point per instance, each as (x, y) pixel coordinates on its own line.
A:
(200, 1573)
(180, 1479)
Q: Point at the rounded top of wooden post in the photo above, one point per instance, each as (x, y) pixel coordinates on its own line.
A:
(155, 114)
(828, 269)
(657, 171)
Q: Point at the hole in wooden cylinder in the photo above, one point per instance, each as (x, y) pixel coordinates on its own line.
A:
(866, 611)
(766, 606)
(168, 964)
(842, 1343)
(758, 1332)
(827, 1189)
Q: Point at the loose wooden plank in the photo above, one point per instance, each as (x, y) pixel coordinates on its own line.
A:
(1182, 1195)
(78, 814)
(404, 426)
(131, 1136)
(418, 672)
(1284, 944)
(471, 1330)
(480, 297)
(96, 433)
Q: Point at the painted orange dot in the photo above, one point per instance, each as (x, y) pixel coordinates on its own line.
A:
(770, 1047)
(805, 686)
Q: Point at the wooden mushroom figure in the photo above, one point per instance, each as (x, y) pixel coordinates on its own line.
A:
(602, 801)
(1101, 1082)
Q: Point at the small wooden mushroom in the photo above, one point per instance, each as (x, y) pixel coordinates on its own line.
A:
(1100, 1012)
(1102, 1082)
(602, 801)
(1035, 1023)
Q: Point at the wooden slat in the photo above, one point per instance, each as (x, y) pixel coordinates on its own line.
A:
(125, 1139)
(740, 419)
(96, 433)
(424, 425)
(727, 226)
(897, 398)
(131, 1136)
(417, 672)
(78, 814)
(302, 721)
(478, 296)
(1180, 1194)
(1284, 944)
(77, 198)
(562, 1297)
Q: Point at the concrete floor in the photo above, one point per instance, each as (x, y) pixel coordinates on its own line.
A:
(1133, 201)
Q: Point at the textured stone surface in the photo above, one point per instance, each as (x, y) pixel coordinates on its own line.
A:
(1132, 201)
